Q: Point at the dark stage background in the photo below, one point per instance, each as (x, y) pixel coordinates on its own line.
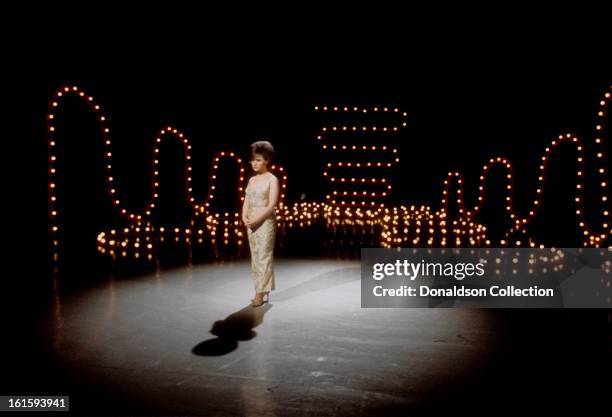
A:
(467, 101)
(462, 110)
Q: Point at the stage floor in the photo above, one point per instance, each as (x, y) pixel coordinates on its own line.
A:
(185, 341)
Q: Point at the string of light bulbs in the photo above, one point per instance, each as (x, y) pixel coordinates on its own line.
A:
(360, 206)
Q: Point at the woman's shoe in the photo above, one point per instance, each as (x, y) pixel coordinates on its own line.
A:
(258, 300)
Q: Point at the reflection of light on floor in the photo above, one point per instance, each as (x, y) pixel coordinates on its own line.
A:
(190, 334)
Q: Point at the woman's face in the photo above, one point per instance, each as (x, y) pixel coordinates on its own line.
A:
(259, 163)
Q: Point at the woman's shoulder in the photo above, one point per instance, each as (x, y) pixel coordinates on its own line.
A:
(272, 177)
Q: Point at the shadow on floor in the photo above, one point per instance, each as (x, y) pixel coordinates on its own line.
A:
(236, 327)
(239, 326)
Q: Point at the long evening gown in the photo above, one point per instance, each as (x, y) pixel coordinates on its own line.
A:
(261, 241)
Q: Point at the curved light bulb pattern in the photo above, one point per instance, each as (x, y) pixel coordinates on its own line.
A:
(403, 225)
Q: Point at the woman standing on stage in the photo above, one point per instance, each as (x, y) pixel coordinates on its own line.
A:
(258, 214)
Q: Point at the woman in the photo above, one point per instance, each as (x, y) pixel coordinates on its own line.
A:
(260, 219)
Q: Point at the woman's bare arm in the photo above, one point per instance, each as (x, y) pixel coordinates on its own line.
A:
(245, 208)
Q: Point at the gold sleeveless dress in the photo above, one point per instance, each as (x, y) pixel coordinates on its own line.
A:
(261, 241)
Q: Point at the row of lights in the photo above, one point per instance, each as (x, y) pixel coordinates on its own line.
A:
(396, 226)
(137, 220)
(400, 225)
(363, 197)
(422, 226)
(592, 238)
(550, 260)
(356, 109)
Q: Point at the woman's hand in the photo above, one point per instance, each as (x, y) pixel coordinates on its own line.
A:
(254, 224)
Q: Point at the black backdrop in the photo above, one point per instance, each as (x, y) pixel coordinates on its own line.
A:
(471, 92)
(469, 96)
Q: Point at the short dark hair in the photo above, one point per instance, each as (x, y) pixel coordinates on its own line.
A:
(264, 148)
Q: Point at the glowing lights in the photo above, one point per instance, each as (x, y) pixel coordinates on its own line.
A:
(331, 139)
(592, 238)
(357, 194)
(139, 219)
